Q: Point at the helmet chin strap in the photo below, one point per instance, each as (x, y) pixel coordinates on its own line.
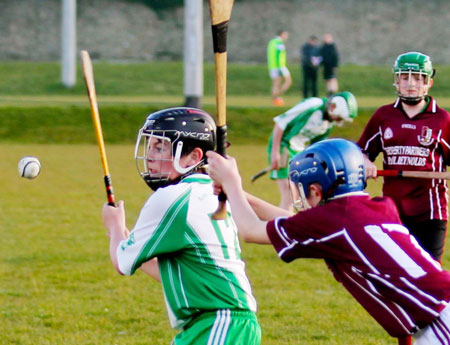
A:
(411, 101)
(176, 160)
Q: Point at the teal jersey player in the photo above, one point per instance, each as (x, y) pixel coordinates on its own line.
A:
(176, 240)
(307, 122)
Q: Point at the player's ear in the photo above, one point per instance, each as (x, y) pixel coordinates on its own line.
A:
(195, 156)
(315, 194)
(315, 189)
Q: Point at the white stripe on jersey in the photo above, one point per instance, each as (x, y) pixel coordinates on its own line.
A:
(283, 119)
(373, 137)
(420, 292)
(344, 233)
(438, 201)
(394, 251)
(401, 292)
(168, 225)
(281, 232)
(180, 278)
(172, 285)
(445, 143)
(434, 106)
(220, 270)
(383, 305)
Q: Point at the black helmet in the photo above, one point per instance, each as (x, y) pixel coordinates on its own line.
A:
(184, 129)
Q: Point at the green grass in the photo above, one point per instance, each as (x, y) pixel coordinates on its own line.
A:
(166, 78)
(73, 124)
(57, 285)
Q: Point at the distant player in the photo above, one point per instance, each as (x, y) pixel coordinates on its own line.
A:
(278, 71)
(175, 240)
(307, 122)
(413, 133)
(361, 239)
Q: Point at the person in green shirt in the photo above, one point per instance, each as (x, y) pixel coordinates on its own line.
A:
(307, 122)
(278, 71)
(176, 241)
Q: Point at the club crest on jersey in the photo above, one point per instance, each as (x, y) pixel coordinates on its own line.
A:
(128, 242)
(425, 138)
(388, 134)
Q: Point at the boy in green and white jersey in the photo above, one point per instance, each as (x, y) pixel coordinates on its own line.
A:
(276, 62)
(175, 240)
(307, 122)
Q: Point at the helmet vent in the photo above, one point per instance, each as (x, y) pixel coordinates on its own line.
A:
(199, 119)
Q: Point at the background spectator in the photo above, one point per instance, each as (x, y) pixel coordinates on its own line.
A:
(310, 60)
(330, 61)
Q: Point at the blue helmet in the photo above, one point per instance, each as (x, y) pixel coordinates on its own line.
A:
(336, 164)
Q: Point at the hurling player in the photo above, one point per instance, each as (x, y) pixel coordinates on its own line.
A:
(360, 238)
(413, 133)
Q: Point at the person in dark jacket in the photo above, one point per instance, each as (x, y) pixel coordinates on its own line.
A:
(330, 61)
(310, 60)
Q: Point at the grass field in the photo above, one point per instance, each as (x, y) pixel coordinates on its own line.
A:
(57, 285)
(165, 79)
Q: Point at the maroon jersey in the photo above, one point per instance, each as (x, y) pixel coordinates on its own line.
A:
(418, 143)
(372, 255)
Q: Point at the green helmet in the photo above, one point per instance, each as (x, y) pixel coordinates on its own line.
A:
(415, 62)
(412, 63)
(343, 104)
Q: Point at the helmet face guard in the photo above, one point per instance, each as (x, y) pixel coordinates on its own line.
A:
(154, 157)
(298, 196)
(166, 137)
(413, 71)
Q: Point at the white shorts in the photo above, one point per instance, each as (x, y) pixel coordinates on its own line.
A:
(279, 72)
(436, 333)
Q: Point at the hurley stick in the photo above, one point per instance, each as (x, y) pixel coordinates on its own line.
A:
(283, 163)
(260, 173)
(88, 74)
(220, 13)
